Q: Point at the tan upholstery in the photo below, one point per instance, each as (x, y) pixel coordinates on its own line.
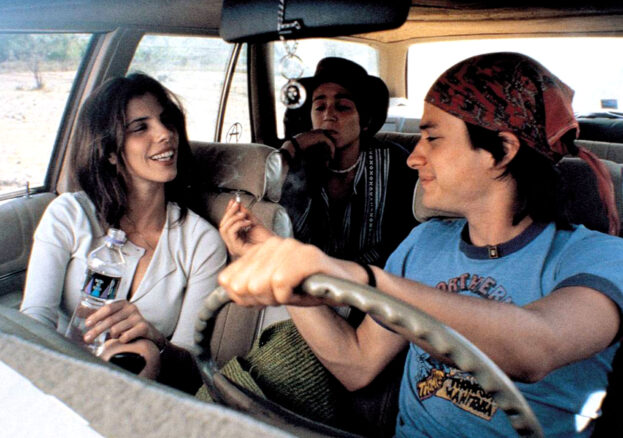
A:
(605, 150)
(19, 218)
(254, 168)
(257, 172)
(272, 215)
(114, 402)
(408, 141)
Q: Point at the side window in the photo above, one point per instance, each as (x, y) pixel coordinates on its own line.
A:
(36, 75)
(194, 69)
(313, 50)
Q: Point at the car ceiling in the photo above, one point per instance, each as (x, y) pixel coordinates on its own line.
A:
(428, 19)
(100, 15)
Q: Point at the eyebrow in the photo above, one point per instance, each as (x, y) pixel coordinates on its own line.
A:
(428, 125)
(139, 119)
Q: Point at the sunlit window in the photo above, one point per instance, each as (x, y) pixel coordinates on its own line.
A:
(36, 75)
(313, 50)
(591, 66)
(194, 69)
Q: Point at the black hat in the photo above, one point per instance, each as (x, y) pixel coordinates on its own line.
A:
(370, 93)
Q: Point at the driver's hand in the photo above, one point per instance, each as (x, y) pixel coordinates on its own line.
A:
(241, 229)
(269, 273)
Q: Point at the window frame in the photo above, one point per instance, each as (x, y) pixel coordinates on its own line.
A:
(109, 54)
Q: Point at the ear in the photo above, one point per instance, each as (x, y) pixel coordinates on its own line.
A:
(366, 125)
(112, 159)
(510, 142)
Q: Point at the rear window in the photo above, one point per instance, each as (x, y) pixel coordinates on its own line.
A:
(592, 66)
(193, 67)
(310, 51)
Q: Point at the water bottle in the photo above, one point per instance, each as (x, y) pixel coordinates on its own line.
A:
(105, 267)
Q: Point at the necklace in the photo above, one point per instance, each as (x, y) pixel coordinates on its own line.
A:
(136, 231)
(348, 169)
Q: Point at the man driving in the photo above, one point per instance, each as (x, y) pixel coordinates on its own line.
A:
(538, 295)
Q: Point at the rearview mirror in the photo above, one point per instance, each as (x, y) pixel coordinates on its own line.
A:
(258, 20)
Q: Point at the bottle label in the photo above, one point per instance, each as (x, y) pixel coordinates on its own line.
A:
(101, 286)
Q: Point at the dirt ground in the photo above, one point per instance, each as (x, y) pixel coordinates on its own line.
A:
(28, 124)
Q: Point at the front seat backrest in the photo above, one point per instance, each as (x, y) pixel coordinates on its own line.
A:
(254, 172)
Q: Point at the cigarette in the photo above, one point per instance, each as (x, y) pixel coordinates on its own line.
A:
(238, 198)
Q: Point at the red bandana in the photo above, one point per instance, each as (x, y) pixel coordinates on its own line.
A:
(509, 92)
(512, 92)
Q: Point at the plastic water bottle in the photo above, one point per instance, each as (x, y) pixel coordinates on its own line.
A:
(105, 267)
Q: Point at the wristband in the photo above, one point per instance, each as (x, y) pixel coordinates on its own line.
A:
(370, 272)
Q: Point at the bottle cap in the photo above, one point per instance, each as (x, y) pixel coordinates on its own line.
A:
(116, 236)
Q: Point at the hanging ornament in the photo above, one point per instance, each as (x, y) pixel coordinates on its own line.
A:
(293, 93)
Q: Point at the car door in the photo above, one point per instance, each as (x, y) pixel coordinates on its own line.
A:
(37, 76)
(44, 78)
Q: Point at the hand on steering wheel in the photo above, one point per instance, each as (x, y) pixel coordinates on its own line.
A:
(268, 275)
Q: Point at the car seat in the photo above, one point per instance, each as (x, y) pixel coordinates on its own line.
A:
(255, 172)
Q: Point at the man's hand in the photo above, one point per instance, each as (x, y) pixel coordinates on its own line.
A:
(269, 273)
(241, 229)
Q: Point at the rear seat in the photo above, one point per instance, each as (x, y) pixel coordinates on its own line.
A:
(605, 150)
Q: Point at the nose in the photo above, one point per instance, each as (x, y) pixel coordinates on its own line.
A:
(417, 158)
(329, 113)
(163, 132)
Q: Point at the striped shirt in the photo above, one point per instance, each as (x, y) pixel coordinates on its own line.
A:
(371, 221)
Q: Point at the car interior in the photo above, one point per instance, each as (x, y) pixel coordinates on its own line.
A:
(225, 55)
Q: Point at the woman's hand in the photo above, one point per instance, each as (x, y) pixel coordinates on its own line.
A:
(241, 229)
(125, 323)
(269, 273)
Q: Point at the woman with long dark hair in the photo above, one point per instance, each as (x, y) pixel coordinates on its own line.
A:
(131, 160)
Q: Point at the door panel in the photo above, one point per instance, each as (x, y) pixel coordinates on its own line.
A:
(19, 218)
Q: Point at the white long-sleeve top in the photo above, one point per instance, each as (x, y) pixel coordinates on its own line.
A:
(181, 273)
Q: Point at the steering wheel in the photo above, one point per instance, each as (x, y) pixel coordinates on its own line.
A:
(410, 322)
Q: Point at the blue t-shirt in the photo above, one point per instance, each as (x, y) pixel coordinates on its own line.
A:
(441, 401)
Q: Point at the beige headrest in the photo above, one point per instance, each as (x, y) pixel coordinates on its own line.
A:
(272, 215)
(254, 168)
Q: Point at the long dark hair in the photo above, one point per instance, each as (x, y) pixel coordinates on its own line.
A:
(538, 180)
(100, 134)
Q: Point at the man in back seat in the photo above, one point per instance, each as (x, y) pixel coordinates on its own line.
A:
(541, 297)
(346, 192)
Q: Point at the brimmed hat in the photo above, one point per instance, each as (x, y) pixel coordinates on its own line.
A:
(370, 93)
